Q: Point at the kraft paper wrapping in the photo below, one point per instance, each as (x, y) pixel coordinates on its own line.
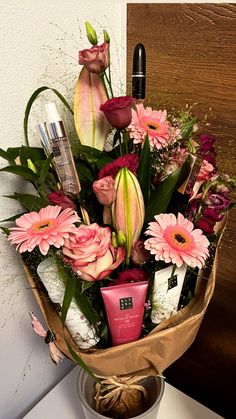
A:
(150, 355)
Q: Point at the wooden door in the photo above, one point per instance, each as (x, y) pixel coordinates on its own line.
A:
(191, 58)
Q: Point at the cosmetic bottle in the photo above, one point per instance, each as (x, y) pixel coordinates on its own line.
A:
(167, 289)
(53, 132)
(125, 310)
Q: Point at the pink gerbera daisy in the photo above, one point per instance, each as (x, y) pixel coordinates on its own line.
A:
(47, 227)
(145, 120)
(174, 240)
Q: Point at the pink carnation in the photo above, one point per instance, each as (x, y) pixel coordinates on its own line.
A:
(59, 198)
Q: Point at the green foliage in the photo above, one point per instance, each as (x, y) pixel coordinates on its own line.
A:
(32, 99)
(13, 218)
(22, 171)
(161, 197)
(187, 128)
(81, 363)
(28, 201)
(45, 170)
(84, 171)
(144, 170)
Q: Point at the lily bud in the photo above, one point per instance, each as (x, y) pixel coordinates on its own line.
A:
(128, 208)
(31, 165)
(114, 241)
(106, 36)
(91, 124)
(91, 34)
(121, 238)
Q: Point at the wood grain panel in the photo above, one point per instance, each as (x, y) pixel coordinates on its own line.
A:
(191, 58)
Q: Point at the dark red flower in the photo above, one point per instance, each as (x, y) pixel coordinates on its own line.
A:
(208, 220)
(59, 198)
(131, 275)
(207, 148)
(206, 225)
(118, 111)
(139, 254)
(217, 201)
(130, 161)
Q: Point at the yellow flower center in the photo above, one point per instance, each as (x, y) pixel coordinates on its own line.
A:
(42, 225)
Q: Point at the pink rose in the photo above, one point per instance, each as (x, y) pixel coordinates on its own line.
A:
(96, 58)
(131, 275)
(139, 254)
(105, 190)
(131, 161)
(90, 253)
(118, 111)
(59, 198)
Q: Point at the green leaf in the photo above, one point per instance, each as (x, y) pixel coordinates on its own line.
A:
(45, 169)
(160, 199)
(31, 101)
(84, 171)
(13, 218)
(68, 296)
(30, 202)
(144, 170)
(22, 171)
(90, 151)
(82, 301)
(5, 230)
(79, 361)
(32, 153)
(5, 155)
(187, 128)
(86, 285)
(103, 161)
(85, 304)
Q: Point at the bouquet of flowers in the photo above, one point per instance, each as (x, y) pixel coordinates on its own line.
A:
(119, 239)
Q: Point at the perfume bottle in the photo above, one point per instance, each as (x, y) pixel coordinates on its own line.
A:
(59, 146)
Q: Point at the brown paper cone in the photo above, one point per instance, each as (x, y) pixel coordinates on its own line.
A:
(150, 355)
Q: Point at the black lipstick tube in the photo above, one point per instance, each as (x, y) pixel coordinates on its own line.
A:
(139, 72)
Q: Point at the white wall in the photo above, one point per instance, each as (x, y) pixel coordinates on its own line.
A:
(39, 45)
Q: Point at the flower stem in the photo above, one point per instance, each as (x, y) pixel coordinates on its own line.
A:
(125, 142)
(208, 186)
(108, 80)
(120, 142)
(102, 77)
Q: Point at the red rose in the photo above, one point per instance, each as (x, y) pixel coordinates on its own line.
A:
(118, 111)
(59, 198)
(131, 275)
(96, 58)
(130, 161)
